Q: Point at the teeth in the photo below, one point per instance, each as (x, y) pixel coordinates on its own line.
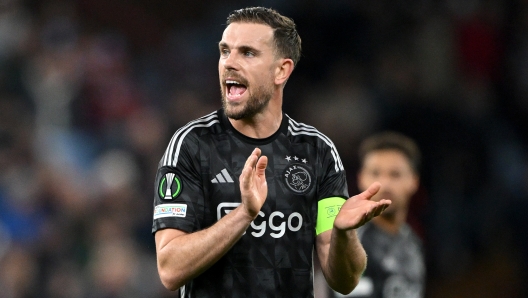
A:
(232, 82)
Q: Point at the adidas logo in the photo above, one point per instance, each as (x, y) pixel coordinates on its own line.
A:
(222, 177)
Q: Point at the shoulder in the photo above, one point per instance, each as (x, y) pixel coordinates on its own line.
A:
(205, 124)
(299, 132)
(190, 136)
(307, 133)
(193, 130)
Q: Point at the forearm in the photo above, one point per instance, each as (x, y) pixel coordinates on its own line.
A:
(186, 256)
(345, 262)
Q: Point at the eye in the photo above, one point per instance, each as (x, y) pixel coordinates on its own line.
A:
(224, 52)
(395, 174)
(249, 54)
(374, 173)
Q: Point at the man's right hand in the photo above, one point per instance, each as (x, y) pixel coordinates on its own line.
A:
(253, 185)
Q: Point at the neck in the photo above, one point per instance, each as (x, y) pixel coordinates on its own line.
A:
(264, 124)
(259, 127)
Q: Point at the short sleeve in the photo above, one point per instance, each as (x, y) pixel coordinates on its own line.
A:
(333, 182)
(178, 191)
(333, 189)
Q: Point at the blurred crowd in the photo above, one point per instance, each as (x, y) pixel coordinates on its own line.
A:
(91, 92)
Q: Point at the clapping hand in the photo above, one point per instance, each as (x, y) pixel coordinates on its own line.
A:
(360, 209)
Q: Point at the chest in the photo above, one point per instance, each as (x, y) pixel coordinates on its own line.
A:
(291, 176)
(390, 256)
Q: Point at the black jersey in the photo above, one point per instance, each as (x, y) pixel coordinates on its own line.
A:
(197, 183)
(395, 267)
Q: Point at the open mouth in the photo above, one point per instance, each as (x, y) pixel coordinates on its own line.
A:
(235, 89)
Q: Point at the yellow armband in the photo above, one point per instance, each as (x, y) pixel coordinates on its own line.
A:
(327, 210)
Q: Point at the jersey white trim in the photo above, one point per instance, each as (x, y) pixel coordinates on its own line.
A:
(182, 291)
(297, 128)
(170, 157)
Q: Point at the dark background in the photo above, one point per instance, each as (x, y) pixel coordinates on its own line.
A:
(91, 92)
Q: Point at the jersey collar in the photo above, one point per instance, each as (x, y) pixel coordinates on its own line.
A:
(283, 129)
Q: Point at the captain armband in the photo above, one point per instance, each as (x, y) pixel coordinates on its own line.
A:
(327, 210)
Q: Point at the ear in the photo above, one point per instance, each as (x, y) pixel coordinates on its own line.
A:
(283, 70)
(415, 184)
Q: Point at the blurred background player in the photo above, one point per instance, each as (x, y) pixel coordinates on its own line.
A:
(396, 266)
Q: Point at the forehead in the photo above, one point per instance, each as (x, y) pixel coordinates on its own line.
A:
(247, 34)
(387, 159)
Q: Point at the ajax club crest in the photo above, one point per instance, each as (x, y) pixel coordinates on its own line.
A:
(169, 187)
(298, 178)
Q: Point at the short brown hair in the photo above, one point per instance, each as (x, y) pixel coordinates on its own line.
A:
(287, 40)
(390, 140)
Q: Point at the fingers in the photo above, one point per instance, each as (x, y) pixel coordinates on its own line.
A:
(380, 207)
(253, 158)
(373, 189)
(262, 163)
(375, 210)
(245, 176)
(370, 192)
(253, 163)
(253, 185)
(257, 161)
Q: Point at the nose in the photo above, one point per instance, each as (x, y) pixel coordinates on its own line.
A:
(229, 62)
(385, 181)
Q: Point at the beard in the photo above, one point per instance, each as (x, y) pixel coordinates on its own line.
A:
(256, 103)
(390, 212)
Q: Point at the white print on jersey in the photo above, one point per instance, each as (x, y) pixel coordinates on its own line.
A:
(223, 177)
(294, 221)
(170, 210)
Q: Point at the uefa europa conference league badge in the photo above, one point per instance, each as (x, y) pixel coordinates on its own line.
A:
(169, 187)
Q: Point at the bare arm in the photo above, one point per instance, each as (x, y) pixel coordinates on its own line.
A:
(182, 256)
(342, 256)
